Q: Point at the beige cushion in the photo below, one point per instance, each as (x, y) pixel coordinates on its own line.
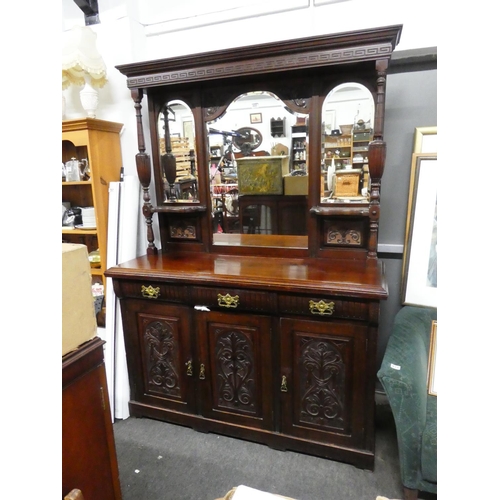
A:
(231, 493)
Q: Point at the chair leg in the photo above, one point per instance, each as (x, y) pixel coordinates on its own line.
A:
(410, 494)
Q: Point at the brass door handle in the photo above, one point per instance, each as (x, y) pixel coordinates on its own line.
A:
(189, 371)
(228, 300)
(321, 307)
(150, 292)
(202, 372)
(284, 387)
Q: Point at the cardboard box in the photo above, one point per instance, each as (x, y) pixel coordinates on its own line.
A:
(78, 313)
(296, 184)
(262, 174)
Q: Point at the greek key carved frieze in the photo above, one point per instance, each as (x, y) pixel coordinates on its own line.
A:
(266, 64)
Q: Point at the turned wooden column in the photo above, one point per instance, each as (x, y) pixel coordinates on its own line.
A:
(143, 164)
(376, 158)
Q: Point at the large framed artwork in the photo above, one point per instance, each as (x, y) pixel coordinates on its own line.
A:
(419, 284)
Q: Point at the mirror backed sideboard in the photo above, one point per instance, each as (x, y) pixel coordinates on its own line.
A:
(257, 316)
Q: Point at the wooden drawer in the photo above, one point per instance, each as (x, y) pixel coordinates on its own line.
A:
(152, 290)
(233, 299)
(318, 307)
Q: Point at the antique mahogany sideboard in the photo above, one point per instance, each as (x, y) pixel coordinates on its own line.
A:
(265, 337)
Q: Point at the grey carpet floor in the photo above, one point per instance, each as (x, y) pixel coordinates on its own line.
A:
(161, 461)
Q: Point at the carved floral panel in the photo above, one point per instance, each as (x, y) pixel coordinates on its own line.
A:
(235, 371)
(160, 339)
(322, 383)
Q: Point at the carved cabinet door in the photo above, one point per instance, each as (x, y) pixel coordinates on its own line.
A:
(235, 368)
(323, 380)
(161, 367)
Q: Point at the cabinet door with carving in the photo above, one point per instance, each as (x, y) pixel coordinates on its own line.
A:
(323, 380)
(159, 355)
(235, 368)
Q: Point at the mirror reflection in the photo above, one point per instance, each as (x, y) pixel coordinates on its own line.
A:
(258, 168)
(177, 153)
(347, 129)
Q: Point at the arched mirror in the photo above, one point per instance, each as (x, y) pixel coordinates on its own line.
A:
(177, 153)
(251, 165)
(347, 129)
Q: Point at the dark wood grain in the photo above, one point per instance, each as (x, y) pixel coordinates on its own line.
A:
(266, 337)
(89, 460)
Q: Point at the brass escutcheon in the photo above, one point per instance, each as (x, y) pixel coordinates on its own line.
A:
(189, 371)
(321, 307)
(202, 372)
(228, 300)
(284, 387)
(149, 292)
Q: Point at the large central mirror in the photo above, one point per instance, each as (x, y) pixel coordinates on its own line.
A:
(347, 129)
(259, 163)
(258, 169)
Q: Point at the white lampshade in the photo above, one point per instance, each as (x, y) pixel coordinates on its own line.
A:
(80, 59)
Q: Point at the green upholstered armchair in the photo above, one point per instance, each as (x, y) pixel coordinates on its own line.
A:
(403, 375)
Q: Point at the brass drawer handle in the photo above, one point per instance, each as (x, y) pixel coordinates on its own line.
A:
(321, 307)
(202, 372)
(284, 387)
(150, 292)
(189, 371)
(228, 300)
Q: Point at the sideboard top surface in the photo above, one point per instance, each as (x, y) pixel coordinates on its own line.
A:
(347, 277)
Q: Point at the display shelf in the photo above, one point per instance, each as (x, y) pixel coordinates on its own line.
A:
(98, 142)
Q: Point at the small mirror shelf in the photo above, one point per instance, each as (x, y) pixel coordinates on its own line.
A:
(347, 129)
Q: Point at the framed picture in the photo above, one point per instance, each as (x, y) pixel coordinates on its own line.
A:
(419, 283)
(425, 140)
(431, 369)
(188, 131)
(255, 117)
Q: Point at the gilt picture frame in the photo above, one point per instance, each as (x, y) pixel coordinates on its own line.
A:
(432, 364)
(425, 140)
(419, 283)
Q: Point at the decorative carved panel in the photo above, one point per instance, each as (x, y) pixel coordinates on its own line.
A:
(347, 237)
(345, 232)
(235, 371)
(322, 383)
(160, 339)
(183, 230)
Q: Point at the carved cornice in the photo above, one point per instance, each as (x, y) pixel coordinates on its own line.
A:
(270, 64)
(301, 53)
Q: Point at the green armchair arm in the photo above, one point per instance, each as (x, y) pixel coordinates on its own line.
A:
(403, 375)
